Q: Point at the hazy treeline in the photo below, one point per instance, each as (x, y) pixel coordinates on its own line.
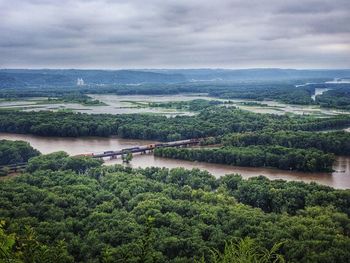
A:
(337, 97)
(284, 90)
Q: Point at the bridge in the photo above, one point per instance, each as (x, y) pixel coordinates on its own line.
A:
(114, 154)
(143, 149)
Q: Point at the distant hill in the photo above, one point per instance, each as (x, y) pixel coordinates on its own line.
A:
(256, 74)
(23, 77)
(10, 78)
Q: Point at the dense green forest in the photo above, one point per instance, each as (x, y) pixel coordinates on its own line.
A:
(12, 152)
(209, 122)
(192, 105)
(75, 98)
(284, 92)
(333, 142)
(78, 210)
(212, 121)
(335, 98)
(309, 160)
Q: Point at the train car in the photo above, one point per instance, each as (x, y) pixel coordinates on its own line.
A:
(106, 152)
(130, 149)
(152, 146)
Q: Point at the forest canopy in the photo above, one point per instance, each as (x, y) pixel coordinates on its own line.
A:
(284, 158)
(211, 121)
(110, 213)
(12, 152)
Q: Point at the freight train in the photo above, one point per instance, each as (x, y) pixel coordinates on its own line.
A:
(140, 149)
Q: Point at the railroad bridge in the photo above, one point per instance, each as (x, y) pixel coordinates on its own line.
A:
(114, 154)
(143, 149)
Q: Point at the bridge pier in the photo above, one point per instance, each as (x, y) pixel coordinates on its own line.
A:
(113, 157)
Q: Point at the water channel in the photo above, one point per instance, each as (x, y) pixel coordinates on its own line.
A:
(73, 146)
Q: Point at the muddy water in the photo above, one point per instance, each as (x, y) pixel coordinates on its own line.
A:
(338, 179)
(74, 146)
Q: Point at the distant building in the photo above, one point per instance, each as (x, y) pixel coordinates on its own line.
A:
(80, 82)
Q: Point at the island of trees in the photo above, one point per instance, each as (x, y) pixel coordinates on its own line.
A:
(210, 121)
(310, 160)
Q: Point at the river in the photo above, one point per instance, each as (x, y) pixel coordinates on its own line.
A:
(339, 179)
(318, 91)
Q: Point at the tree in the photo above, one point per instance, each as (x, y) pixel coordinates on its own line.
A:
(27, 248)
(127, 157)
(12, 152)
(246, 251)
(120, 214)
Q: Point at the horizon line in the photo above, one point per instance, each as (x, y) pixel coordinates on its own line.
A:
(200, 68)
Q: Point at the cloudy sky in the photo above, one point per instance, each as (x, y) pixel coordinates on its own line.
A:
(174, 33)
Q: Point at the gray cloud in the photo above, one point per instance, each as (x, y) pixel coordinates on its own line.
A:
(175, 34)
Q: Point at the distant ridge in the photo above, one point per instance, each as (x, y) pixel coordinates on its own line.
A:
(68, 77)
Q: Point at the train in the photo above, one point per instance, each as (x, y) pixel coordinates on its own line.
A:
(175, 143)
(143, 148)
(130, 149)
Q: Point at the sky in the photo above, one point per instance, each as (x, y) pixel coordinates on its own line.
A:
(109, 34)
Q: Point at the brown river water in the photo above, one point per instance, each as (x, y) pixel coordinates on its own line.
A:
(73, 146)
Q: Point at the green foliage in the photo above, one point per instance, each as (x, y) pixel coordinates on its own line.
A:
(7, 242)
(192, 105)
(27, 248)
(118, 214)
(75, 98)
(256, 156)
(284, 197)
(61, 161)
(331, 142)
(338, 97)
(246, 251)
(284, 92)
(12, 152)
(210, 122)
(127, 157)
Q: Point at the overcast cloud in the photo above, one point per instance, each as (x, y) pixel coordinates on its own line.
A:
(174, 34)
